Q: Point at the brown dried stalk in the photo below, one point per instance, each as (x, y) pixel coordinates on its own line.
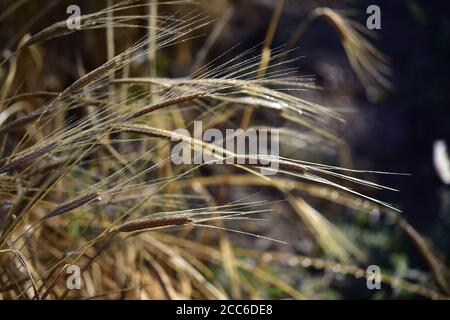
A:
(151, 223)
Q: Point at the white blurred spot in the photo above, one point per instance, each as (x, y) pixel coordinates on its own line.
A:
(441, 161)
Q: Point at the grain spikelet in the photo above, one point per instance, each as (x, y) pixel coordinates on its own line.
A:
(72, 204)
(27, 158)
(151, 223)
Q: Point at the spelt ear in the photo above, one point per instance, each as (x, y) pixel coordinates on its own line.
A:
(71, 205)
(152, 223)
(25, 159)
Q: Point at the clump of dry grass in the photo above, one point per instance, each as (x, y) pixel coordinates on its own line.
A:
(106, 136)
(370, 65)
